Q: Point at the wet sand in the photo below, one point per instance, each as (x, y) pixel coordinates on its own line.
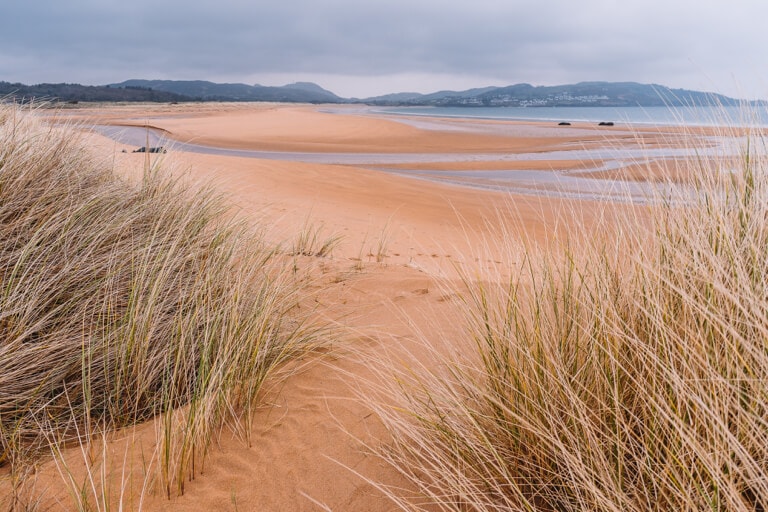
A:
(351, 192)
(390, 284)
(579, 162)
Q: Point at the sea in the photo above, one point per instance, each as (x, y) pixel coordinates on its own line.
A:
(751, 115)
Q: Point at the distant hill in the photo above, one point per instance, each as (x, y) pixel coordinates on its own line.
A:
(77, 92)
(301, 92)
(602, 94)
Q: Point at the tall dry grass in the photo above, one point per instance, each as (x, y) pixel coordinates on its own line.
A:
(621, 371)
(120, 302)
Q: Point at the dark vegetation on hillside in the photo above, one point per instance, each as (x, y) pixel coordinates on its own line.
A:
(602, 94)
(76, 92)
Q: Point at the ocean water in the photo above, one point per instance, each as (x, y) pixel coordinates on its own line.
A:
(755, 116)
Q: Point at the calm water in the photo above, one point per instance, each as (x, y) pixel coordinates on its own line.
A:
(655, 116)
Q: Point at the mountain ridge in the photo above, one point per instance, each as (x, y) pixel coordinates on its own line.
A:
(299, 92)
(603, 94)
(596, 93)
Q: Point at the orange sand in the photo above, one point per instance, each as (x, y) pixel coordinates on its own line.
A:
(391, 279)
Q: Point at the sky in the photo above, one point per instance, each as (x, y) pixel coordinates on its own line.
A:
(363, 48)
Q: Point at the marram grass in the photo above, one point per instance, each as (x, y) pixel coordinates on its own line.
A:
(617, 373)
(121, 301)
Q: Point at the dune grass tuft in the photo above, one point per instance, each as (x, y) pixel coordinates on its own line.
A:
(123, 301)
(621, 372)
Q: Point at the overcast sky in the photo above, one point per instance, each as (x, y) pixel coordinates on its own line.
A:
(361, 48)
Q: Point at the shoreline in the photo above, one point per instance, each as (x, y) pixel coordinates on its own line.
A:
(571, 162)
(261, 147)
(639, 117)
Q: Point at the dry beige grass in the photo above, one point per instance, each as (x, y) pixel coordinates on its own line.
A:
(619, 374)
(120, 302)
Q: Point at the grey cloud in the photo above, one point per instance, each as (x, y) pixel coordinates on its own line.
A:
(542, 41)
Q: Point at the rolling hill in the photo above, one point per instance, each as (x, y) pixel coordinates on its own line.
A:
(603, 94)
(300, 92)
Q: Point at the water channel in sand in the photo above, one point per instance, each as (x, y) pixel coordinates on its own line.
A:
(570, 183)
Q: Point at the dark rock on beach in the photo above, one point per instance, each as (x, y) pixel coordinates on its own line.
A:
(144, 149)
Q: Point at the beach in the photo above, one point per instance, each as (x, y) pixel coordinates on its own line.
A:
(424, 221)
(392, 280)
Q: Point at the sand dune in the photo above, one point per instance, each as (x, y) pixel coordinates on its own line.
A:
(391, 279)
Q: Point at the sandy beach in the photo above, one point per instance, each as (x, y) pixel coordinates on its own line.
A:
(389, 283)
(421, 220)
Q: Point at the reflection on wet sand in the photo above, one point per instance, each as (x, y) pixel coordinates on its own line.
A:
(556, 182)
